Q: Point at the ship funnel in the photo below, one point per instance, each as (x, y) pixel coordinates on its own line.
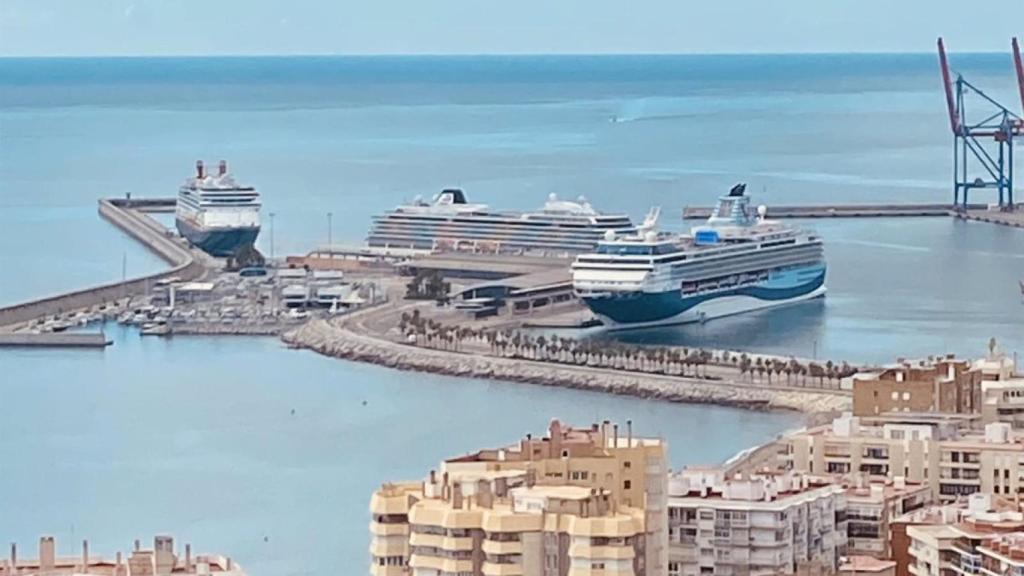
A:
(222, 168)
(199, 169)
(651, 220)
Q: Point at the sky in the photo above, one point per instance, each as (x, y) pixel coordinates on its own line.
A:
(254, 27)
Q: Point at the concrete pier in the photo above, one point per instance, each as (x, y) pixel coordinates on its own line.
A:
(847, 211)
(185, 264)
(55, 340)
(1015, 218)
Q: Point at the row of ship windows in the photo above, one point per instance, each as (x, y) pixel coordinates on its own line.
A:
(590, 225)
(717, 255)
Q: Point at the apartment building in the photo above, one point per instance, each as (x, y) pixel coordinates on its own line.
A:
(1003, 555)
(578, 501)
(754, 525)
(947, 385)
(960, 548)
(871, 507)
(161, 560)
(938, 450)
(1003, 401)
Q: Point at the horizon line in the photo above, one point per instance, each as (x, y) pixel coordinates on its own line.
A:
(475, 54)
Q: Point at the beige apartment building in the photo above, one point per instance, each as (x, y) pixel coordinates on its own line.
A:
(577, 502)
(754, 525)
(939, 451)
(161, 560)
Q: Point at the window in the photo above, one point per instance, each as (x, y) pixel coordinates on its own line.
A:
(626, 484)
(626, 464)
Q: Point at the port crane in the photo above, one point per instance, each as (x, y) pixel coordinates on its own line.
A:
(982, 140)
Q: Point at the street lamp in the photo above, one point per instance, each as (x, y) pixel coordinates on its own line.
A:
(330, 230)
(271, 238)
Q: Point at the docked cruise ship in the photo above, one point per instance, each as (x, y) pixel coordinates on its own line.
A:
(217, 214)
(450, 223)
(736, 262)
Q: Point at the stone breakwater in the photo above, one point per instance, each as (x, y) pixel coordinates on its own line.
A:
(336, 340)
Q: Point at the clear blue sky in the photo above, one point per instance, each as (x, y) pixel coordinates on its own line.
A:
(167, 27)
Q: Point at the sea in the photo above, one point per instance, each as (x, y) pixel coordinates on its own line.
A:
(196, 436)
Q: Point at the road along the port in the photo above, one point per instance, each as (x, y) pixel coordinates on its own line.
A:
(185, 264)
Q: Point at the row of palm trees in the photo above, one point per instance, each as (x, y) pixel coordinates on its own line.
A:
(668, 360)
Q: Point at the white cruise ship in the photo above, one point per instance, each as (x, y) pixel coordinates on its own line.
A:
(734, 263)
(450, 223)
(217, 214)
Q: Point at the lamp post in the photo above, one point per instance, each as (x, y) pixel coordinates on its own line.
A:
(330, 230)
(271, 238)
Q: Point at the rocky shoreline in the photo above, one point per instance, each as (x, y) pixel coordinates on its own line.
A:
(336, 340)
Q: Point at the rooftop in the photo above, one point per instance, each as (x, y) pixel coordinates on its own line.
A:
(866, 564)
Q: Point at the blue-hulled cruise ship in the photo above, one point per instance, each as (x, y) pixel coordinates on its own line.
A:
(734, 263)
(217, 214)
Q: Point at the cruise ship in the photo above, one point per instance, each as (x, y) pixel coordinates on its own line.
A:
(217, 214)
(450, 223)
(734, 263)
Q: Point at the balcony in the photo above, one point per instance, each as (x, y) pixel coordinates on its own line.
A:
(586, 551)
(441, 564)
(496, 547)
(490, 569)
(378, 529)
(377, 570)
(442, 542)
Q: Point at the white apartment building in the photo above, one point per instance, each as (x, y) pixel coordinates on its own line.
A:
(753, 525)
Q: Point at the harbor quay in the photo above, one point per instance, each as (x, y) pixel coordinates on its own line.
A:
(163, 559)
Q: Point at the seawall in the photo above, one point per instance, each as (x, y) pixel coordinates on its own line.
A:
(55, 340)
(334, 339)
(140, 227)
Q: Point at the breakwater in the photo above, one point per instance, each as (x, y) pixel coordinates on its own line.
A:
(334, 338)
(184, 265)
(846, 211)
(56, 340)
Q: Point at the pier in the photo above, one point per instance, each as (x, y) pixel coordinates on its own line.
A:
(849, 211)
(1004, 218)
(55, 340)
(185, 263)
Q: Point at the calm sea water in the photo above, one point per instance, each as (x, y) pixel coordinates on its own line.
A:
(195, 437)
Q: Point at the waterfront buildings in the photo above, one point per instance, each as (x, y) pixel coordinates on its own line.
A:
(942, 452)
(946, 385)
(754, 524)
(161, 560)
(578, 501)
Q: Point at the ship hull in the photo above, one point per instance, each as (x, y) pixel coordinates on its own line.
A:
(219, 242)
(646, 309)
